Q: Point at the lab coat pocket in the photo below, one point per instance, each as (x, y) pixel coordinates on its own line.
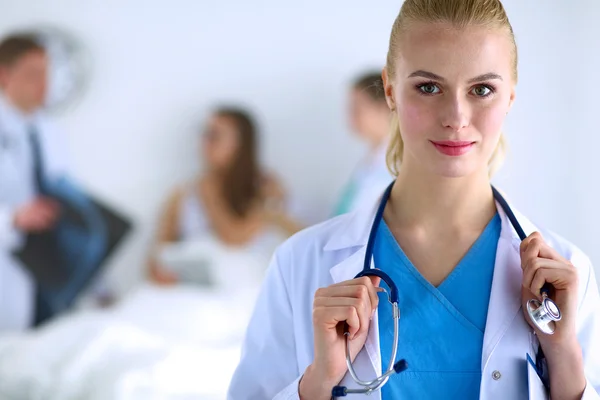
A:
(537, 390)
(534, 343)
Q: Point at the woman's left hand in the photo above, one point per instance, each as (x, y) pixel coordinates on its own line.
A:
(541, 264)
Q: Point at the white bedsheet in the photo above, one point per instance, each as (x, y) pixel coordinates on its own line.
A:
(159, 343)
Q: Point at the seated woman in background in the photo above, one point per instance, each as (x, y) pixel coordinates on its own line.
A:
(232, 200)
(370, 119)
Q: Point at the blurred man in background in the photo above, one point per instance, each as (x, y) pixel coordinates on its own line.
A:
(31, 151)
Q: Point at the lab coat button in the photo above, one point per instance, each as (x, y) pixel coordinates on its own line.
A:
(496, 375)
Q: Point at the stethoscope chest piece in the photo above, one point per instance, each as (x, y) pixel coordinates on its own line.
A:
(544, 314)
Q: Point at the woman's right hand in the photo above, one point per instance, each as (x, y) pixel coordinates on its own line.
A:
(354, 302)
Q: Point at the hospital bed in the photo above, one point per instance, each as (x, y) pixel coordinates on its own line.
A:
(173, 343)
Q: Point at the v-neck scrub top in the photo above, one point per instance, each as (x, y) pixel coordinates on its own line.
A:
(441, 328)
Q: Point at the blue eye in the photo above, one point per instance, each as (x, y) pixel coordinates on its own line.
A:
(428, 88)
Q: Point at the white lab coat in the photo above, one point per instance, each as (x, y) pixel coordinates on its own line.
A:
(17, 289)
(279, 341)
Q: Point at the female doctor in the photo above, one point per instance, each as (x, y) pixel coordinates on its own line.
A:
(446, 239)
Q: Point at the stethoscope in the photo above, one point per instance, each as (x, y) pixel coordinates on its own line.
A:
(543, 314)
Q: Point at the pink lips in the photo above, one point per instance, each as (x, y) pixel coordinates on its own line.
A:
(453, 147)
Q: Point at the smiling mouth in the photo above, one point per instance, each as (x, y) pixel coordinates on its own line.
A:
(453, 148)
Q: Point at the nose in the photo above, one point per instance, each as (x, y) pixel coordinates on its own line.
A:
(456, 114)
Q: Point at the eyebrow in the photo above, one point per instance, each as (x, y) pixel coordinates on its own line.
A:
(431, 75)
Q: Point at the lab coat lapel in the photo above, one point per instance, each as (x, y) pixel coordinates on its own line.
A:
(368, 362)
(505, 297)
(356, 233)
(349, 267)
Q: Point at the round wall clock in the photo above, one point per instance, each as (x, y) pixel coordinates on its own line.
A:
(69, 69)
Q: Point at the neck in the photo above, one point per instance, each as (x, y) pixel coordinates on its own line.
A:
(432, 202)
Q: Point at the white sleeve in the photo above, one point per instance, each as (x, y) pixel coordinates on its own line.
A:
(268, 368)
(590, 393)
(9, 236)
(589, 336)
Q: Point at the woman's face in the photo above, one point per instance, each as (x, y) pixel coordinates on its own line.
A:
(452, 89)
(220, 142)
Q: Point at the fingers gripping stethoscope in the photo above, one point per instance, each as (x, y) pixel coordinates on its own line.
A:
(543, 314)
(370, 386)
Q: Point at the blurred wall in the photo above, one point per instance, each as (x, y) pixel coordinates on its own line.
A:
(157, 69)
(583, 127)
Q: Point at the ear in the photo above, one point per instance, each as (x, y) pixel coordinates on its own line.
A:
(511, 100)
(388, 88)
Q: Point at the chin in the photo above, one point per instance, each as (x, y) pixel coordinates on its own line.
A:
(455, 169)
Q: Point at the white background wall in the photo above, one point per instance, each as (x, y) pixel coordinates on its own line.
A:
(158, 67)
(583, 128)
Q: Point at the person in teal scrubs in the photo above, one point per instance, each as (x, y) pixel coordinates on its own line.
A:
(369, 118)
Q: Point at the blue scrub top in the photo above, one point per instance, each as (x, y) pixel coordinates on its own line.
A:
(441, 328)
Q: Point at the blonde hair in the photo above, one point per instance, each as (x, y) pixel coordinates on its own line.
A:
(459, 13)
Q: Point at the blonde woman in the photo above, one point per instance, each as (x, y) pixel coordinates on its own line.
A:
(464, 268)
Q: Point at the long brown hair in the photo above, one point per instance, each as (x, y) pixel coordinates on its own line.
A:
(241, 184)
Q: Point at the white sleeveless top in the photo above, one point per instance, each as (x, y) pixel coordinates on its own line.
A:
(193, 222)
(198, 247)
(192, 218)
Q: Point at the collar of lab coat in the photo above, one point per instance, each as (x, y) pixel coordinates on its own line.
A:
(505, 298)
